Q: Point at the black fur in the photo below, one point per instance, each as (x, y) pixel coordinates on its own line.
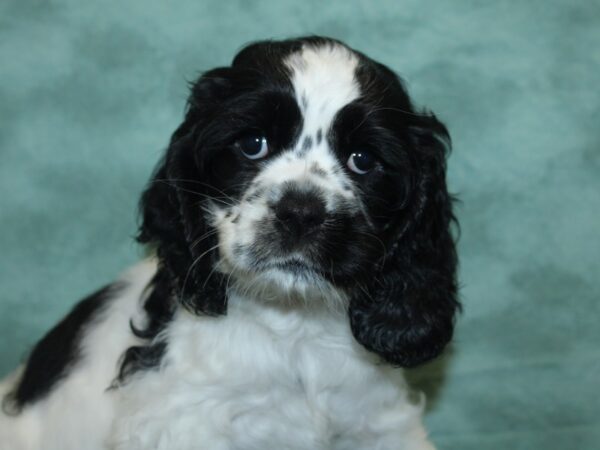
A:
(159, 309)
(306, 146)
(57, 352)
(400, 271)
(405, 311)
(319, 136)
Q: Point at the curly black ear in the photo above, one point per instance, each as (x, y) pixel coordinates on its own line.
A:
(406, 313)
(173, 207)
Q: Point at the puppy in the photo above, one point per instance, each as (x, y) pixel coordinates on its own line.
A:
(300, 229)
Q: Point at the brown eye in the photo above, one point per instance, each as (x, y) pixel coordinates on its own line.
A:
(253, 146)
(361, 162)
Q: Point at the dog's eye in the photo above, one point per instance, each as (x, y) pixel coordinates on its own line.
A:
(253, 146)
(361, 162)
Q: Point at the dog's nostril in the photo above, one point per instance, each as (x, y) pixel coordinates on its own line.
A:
(300, 212)
(300, 215)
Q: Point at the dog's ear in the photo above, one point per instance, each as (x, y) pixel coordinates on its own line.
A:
(406, 312)
(173, 207)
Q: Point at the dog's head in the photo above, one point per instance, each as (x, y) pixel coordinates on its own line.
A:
(303, 168)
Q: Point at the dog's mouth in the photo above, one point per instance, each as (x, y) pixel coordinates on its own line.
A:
(293, 266)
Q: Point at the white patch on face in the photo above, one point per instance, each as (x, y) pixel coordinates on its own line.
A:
(323, 80)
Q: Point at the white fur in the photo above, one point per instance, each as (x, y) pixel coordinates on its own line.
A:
(266, 376)
(324, 76)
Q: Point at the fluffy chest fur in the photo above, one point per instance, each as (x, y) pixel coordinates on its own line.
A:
(264, 377)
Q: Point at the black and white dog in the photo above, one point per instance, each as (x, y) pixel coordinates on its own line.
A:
(301, 232)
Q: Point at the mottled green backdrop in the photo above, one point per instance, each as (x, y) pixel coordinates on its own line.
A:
(90, 91)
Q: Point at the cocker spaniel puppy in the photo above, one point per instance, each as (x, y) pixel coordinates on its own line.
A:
(301, 228)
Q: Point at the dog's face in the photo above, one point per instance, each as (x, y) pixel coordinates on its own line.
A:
(304, 168)
(303, 176)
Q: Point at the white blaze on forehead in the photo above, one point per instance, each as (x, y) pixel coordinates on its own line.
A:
(323, 80)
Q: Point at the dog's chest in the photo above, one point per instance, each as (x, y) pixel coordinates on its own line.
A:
(251, 381)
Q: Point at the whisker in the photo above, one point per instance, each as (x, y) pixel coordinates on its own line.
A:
(203, 238)
(191, 268)
(201, 194)
(384, 249)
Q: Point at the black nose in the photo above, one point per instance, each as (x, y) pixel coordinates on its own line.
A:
(299, 213)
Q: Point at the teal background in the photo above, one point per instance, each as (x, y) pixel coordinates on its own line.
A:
(90, 91)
